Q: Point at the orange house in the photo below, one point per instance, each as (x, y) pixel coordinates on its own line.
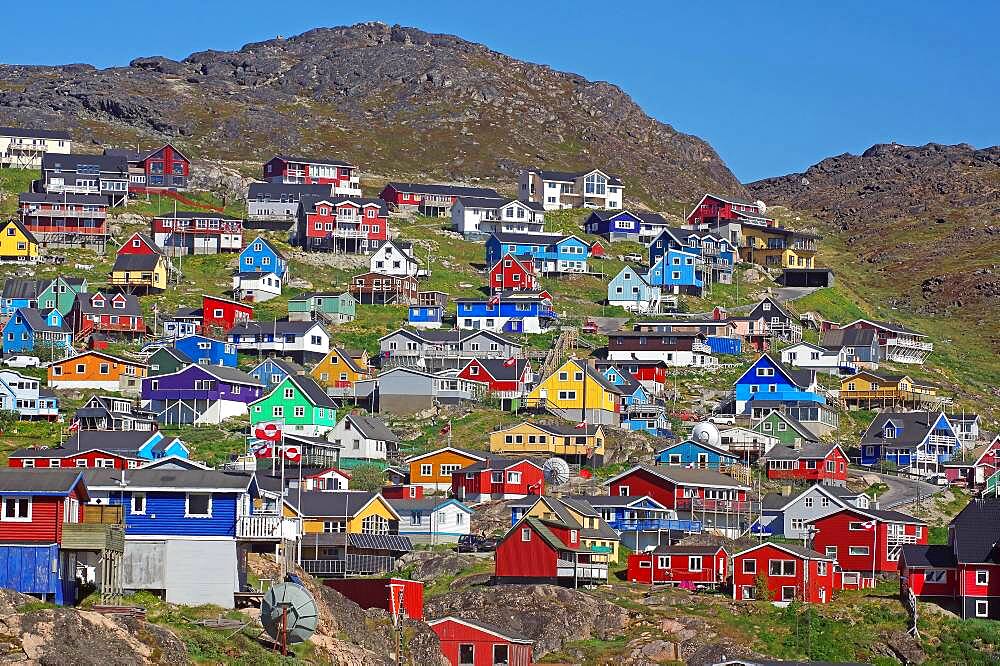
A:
(433, 469)
(97, 370)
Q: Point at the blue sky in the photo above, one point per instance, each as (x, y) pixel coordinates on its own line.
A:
(773, 86)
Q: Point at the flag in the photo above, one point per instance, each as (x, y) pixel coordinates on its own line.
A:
(869, 524)
(292, 452)
(261, 450)
(386, 354)
(270, 431)
(581, 425)
(493, 301)
(511, 362)
(75, 425)
(446, 430)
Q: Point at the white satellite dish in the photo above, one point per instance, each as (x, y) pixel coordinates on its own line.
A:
(556, 471)
(761, 205)
(706, 433)
(288, 613)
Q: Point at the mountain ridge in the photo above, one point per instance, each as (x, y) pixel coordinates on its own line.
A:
(393, 99)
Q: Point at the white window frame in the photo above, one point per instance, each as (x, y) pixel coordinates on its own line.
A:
(187, 506)
(132, 504)
(19, 518)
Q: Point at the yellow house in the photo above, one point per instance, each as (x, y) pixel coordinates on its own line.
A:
(874, 389)
(595, 533)
(576, 445)
(142, 271)
(575, 382)
(16, 242)
(340, 368)
(327, 512)
(778, 247)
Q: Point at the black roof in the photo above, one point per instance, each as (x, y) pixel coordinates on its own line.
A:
(809, 451)
(447, 190)
(320, 504)
(136, 262)
(848, 337)
(928, 555)
(199, 215)
(915, 427)
(72, 161)
(167, 479)
(312, 390)
(37, 481)
(372, 428)
(30, 133)
(24, 288)
(976, 533)
(35, 319)
(530, 239)
(86, 306)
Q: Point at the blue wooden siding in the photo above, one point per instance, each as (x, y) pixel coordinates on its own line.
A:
(776, 386)
(687, 453)
(676, 269)
(35, 570)
(164, 515)
(724, 345)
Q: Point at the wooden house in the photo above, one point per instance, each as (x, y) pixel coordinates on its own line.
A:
(24, 147)
(513, 273)
(713, 210)
(432, 520)
(786, 429)
(896, 342)
(584, 445)
(325, 307)
(60, 294)
(788, 514)
(767, 322)
(342, 177)
(818, 462)
(352, 224)
(507, 379)
(222, 314)
(404, 390)
(692, 454)
(103, 175)
(433, 470)
(140, 265)
(540, 550)
(364, 437)
(164, 168)
(429, 198)
(632, 291)
(65, 220)
(396, 258)
(857, 347)
(340, 369)
(873, 389)
(396, 596)
(918, 442)
(105, 412)
(498, 479)
(182, 233)
(437, 350)
(41, 332)
(272, 371)
(17, 243)
(260, 256)
(200, 394)
(273, 206)
(788, 572)
(466, 642)
(382, 289)
(578, 391)
(301, 341)
(769, 379)
(24, 396)
(300, 403)
(106, 449)
(109, 314)
(672, 349)
(96, 370)
(691, 567)
(557, 190)
(865, 541)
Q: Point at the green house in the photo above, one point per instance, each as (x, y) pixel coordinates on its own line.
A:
(323, 306)
(166, 360)
(300, 403)
(787, 429)
(61, 294)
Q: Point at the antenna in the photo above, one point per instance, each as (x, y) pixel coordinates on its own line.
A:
(706, 433)
(556, 471)
(288, 614)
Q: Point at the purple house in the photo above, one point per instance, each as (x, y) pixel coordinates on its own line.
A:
(198, 394)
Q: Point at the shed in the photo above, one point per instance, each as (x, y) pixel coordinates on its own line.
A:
(806, 277)
(388, 594)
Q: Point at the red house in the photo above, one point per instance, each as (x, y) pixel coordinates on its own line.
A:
(498, 479)
(165, 168)
(506, 378)
(789, 571)
(964, 574)
(430, 199)
(342, 224)
(513, 273)
(681, 488)
(986, 465)
(866, 541)
(70, 219)
(403, 491)
(393, 595)
(93, 458)
(686, 566)
(549, 550)
(714, 210)
(342, 176)
(100, 313)
(186, 232)
(819, 462)
(222, 313)
(468, 643)
(139, 243)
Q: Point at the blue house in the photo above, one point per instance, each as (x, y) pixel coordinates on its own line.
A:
(769, 379)
(690, 453)
(677, 272)
(207, 351)
(613, 225)
(507, 312)
(917, 441)
(272, 371)
(632, 391)
(648, 417)
(262, 257)
(631, 290)
(136, 444)
(717, 252)
(21, 293)
(37, 331)
(182, 528)
(425, 316)
(551, 253)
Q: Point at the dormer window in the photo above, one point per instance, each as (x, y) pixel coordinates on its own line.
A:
(889, 432)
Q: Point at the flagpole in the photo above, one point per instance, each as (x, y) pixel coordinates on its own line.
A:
(874, 550)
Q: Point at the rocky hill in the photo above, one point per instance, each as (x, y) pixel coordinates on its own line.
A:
(930, 213)
(396, 100)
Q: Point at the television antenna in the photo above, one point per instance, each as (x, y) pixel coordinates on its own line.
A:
(288, 614)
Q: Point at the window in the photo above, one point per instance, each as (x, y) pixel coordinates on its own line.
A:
(781, 567)
(198, 505)
(277, 410)
(138, 502)
(500, 655)
(788, 593)
(426, 470)
(798, 523)
(300, 412)
(17, 509)
(808, 502)
(935, 576)
(526, 534)
(374, 525)
(831, 551)
(982, 577)
(623, 491)
(860, 551)
(749, 566)
(694, 563)
(466, 655)
(748, 592)
(982, 608)
(663, 561)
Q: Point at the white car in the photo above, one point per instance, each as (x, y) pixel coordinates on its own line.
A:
(22, 361)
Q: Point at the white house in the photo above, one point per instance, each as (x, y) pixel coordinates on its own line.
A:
(22, 148)
(326, 481)
(301, 341)
(363, 437)
(813, 357)
(256, 287)
(24, 395)
(555, 190)
(395, 258)
(433, 519)
(473, 216)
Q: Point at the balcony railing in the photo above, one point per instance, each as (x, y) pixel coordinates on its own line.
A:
(50, 212)
(911, 343)
(649, 524)
(346, 233)
(354, 564)
(262, 526)
(566, 569)
(698, 504)
(93, 536)
(700, 347)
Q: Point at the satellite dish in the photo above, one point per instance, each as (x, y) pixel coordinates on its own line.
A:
(288, 613)
(556, 471)
(761, 205)
(706, 433)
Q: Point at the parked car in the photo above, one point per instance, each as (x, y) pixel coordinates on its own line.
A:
(590, 326)
(22, 361)
(633, 258)
(476, 543)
